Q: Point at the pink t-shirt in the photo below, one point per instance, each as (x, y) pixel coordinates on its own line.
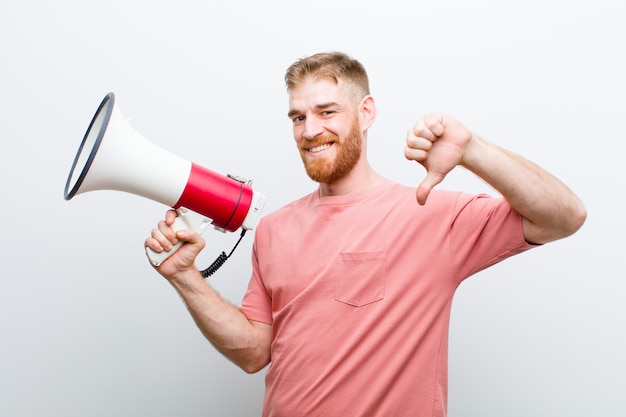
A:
(358, 289)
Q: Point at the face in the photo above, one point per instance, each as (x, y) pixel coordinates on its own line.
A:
(326, 129)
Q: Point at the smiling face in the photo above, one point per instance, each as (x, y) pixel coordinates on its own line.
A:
(326, 128)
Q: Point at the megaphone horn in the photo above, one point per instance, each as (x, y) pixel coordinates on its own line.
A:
(113, 156)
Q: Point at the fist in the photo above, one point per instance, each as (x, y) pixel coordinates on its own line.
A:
(439, 143)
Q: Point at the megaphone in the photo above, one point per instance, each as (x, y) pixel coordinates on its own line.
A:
(114, 156)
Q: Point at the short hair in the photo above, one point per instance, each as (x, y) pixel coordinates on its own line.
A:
(330, 65)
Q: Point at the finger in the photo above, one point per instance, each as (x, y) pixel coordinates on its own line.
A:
(165, 235)
(153, 244)
(434, 123)
(170, 217)
(418, 142)
(412, 154)
(426, 186)
(417, 147)
(191, 237)
(421, 130)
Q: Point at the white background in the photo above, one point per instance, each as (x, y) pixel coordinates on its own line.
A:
(87, 328)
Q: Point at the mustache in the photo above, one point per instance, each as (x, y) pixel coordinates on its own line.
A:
(320, 141)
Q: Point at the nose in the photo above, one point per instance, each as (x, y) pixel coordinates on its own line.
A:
(311, 128)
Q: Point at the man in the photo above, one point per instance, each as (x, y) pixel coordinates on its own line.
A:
(352, 285)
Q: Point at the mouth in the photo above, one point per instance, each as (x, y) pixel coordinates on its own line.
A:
(319, 148)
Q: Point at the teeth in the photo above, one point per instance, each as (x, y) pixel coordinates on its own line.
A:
(320, 148)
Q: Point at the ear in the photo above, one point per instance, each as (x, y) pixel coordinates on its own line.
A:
(367, 112)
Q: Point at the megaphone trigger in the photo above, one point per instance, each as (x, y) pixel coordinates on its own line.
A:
(186, 219)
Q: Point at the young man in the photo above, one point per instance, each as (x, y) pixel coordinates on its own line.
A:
(352, 285)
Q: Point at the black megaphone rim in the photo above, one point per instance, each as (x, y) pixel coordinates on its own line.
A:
(69, 193)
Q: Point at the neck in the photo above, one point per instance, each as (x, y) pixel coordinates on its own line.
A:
(359, 179)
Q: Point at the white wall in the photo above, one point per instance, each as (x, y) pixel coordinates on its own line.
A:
(88, 328)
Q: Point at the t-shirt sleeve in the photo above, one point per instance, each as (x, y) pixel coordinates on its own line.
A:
(485, 231)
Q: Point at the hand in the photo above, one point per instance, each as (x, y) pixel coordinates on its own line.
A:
(163, 237)
(439, 143)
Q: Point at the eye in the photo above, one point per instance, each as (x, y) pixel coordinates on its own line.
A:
(298, 119)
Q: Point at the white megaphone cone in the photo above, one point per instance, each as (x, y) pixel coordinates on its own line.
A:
(113, 156)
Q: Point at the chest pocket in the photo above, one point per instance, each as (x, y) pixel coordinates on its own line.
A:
(360, 277)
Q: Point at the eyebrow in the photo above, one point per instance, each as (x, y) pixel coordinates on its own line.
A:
(322, 106)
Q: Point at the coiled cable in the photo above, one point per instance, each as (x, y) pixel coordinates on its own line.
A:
(221, 259)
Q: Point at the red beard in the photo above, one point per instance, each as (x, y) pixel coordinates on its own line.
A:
(347, 152)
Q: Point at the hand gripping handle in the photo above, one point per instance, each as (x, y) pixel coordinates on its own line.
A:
(186, 219)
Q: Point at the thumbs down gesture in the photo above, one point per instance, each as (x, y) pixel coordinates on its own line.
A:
(438, 142)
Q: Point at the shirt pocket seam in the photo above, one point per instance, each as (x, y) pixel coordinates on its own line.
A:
(360, 277)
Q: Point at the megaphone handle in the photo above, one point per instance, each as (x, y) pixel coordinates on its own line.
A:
(186, 219)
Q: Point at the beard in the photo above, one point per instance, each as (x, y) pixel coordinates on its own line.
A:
(348, 153)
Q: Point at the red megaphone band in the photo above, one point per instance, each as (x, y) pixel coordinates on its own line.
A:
(223, 199)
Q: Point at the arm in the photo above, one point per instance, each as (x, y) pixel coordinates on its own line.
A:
(245, 342)
(549, 209)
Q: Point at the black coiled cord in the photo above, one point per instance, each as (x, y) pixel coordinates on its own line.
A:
(221, 259)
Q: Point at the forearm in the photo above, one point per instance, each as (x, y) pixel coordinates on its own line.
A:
(224, 325)
(550, 210)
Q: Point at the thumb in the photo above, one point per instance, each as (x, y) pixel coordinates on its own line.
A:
(426, 186)
(190, 237)
(192, 246)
